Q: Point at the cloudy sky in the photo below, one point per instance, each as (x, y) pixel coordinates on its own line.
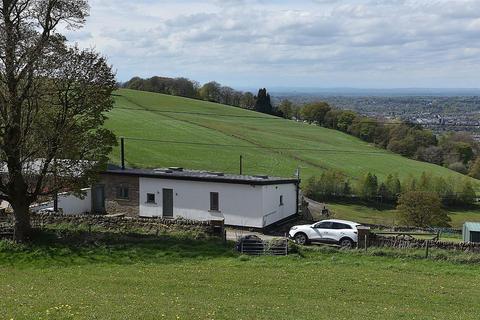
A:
(297, 43)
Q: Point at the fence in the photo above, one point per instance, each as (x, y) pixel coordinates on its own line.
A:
(256, 246)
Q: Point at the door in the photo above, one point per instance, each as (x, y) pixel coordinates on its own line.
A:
(167, 203)
(474, 236)
(339, 230)
(320, 231)
(98, 199)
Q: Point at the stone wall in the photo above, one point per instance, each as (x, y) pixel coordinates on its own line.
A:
(113, 205)
(118, 223)
(401, 243)
(413, 229)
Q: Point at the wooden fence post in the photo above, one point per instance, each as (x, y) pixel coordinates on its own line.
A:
(366, 237)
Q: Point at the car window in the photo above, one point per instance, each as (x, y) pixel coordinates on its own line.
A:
(337, 225)
(324, 225)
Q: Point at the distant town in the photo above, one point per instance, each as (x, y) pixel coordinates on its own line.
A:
(438, 113)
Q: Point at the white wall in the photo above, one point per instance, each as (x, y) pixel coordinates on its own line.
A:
(68, 203)
(239, 204)
(271, 202)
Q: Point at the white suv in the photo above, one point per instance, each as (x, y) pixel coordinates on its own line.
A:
(334, 231)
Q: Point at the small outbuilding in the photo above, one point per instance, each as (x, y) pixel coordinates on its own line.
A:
(471, 232)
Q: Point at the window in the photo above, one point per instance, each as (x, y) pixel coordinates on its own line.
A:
(122, 191)
(281, 200)
(150, 197)
(214, 201)
(323, 225)
(340, 226)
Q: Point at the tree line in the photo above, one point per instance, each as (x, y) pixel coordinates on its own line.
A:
(211, 91)
(455, 150)
(333, 184)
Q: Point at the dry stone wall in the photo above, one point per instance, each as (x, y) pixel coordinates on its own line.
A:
(399, 243)
(412, 229)
(116, 223)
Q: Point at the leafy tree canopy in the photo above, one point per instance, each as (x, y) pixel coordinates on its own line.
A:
(53, 100)
(422, 209)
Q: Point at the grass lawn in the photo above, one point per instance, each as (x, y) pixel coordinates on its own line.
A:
(175, 277)
(264, 142)
(387, 215)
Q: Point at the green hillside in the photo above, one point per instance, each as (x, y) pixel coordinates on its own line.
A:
(213, 136)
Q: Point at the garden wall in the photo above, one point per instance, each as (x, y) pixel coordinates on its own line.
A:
(398, 243)
(122, 223)
(413, 229)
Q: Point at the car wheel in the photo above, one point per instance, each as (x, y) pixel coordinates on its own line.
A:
(346, 243)
(301, 238)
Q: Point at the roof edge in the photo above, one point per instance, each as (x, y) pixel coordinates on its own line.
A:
(223, 179)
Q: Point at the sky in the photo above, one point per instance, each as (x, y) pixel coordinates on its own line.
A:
(298, 43)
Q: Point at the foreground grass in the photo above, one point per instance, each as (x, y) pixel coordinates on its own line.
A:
(176, 277)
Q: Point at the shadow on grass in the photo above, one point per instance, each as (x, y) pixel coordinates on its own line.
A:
(65, 247)
(389, 205)
(380, 206)
(462, 209)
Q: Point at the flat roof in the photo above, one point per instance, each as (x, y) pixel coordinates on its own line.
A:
(199, 175)
(473, 226)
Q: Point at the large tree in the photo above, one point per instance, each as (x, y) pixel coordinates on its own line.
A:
(315, 112)
(286, 107)
(368, 186)
(52, 103)
(211, 91)
(475, 169)
(263, 103)
(422, 209)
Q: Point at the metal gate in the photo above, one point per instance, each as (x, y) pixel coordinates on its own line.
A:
(253, 245)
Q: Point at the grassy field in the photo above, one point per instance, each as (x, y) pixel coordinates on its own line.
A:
(269, 145)
(175, 277)
(387, 215)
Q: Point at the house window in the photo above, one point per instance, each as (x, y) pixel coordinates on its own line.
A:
(214, 201)
(122, 191)
(150, 197)
(281, 200)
